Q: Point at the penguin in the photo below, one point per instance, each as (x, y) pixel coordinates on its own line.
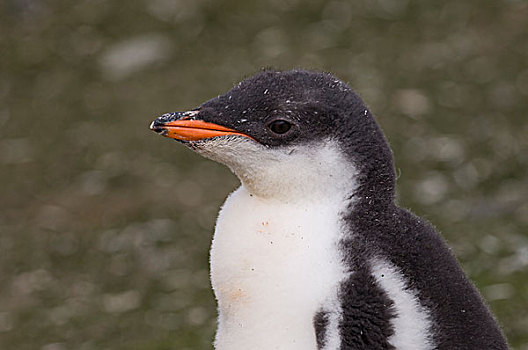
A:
(311, 252)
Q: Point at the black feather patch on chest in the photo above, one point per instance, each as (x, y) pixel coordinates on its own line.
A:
(320, 325)
(366, 313)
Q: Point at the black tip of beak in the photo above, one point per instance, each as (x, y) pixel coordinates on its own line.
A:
(158, 124)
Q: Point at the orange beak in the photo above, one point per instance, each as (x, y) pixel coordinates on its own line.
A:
(191, 130)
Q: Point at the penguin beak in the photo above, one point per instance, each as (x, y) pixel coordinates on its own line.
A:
(182, 126)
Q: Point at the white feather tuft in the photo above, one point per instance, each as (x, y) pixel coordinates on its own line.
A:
(413, 323)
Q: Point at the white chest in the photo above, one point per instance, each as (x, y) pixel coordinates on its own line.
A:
(273, 266)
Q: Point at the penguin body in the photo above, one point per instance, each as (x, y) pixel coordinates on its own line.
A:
(285, 265)
(311, 251)
(282, 270)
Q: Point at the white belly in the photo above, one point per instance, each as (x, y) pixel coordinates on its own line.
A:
(273, 266)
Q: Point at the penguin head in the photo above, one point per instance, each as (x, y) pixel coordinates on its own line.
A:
(286, 134)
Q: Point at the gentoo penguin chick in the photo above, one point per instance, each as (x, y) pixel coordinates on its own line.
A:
(311, 252)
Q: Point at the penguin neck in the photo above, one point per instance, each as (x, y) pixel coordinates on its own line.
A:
(375, 190)
(298, 173)
(369, 151)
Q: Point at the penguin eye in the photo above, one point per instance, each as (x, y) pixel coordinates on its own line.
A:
(280, 126)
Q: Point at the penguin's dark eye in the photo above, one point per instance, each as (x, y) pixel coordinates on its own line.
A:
(280, 126)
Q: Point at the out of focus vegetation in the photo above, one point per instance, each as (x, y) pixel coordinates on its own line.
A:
(105, 226)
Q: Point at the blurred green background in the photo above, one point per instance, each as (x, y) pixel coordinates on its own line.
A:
(105, 226)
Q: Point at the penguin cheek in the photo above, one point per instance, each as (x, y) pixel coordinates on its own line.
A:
(233, 151)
